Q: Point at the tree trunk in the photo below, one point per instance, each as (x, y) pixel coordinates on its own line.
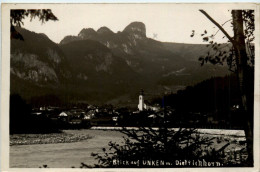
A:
(243, 78)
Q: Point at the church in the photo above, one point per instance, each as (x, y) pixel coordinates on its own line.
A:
(142, 106)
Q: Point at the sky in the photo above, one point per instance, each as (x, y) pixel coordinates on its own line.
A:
(164, 22)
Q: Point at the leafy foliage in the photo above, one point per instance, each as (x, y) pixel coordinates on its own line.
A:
(224, 53)
(249, 21)
(17, 16)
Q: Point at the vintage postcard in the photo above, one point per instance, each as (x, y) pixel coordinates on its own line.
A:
(130, 86)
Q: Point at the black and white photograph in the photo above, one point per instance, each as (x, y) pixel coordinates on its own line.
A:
(130, 86)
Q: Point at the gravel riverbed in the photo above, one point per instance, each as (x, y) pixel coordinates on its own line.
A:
(64, 137)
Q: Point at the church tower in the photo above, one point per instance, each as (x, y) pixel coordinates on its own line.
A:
(141, 101)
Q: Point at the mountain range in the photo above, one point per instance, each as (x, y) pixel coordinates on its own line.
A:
(101, 66)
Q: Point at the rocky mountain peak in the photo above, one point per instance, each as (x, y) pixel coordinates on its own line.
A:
(68, 39)
(137, 28)
(87, 33)
(104, 30)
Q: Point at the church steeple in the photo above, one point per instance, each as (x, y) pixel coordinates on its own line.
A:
(141, 100)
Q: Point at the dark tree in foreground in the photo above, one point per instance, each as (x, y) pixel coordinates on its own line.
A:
(17, 16)
(20, 119)
(239, 56)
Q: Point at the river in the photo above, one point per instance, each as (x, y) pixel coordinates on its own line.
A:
(67, 155)
(62, 155)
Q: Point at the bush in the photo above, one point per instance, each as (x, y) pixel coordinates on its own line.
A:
(160, 147)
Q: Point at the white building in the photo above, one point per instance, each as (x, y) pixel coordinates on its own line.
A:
(142, 106)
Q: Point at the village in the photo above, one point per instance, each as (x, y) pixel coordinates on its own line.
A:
(93, 115)
(145, 114)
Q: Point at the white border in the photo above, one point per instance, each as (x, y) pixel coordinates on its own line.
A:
(5, 92)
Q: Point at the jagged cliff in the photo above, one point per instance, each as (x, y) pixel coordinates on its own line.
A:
(105, 67)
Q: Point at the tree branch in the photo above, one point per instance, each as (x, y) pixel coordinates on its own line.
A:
(218, 25)
(222, 25)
